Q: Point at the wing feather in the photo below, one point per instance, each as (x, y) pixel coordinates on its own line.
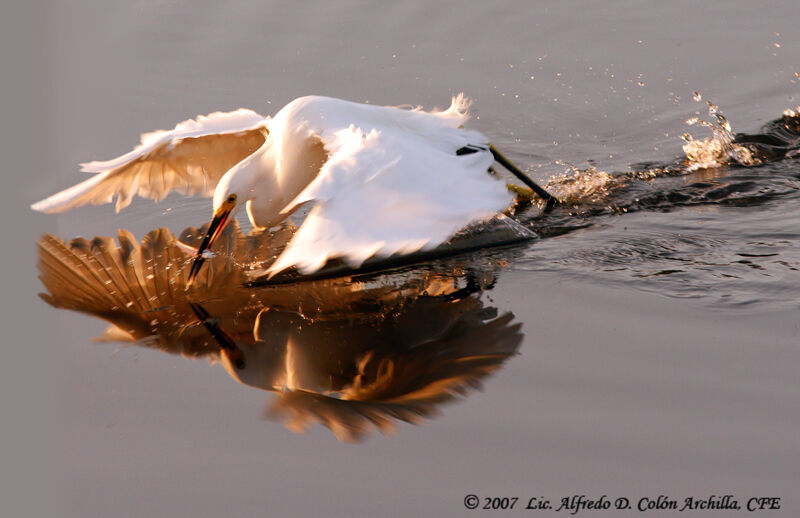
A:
(191, 158)
(388, 191)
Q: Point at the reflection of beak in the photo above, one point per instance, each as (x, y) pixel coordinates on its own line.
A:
(227, 344)
(221, 219)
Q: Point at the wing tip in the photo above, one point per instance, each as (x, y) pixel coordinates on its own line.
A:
(460, 105)
(39, 206)
(458, 110)
(49, 205)
(96, 166)
(69, 197)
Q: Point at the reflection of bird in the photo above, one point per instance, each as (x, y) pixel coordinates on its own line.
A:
(351, 355)
(383, 180)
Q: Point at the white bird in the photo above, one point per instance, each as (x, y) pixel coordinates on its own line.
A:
(382, 180)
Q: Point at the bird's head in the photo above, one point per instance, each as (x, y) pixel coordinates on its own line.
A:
(226, 204)
(235, 188)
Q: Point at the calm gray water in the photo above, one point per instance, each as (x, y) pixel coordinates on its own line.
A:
(658, 311)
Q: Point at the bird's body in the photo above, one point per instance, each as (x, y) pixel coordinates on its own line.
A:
(382, 180)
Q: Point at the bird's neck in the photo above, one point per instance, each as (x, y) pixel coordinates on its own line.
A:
(254, 179)
(284, 171)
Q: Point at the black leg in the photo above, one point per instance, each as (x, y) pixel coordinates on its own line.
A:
(550, 200)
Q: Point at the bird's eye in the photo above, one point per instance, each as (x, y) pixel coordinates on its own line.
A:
(232, 198)
(239, 363)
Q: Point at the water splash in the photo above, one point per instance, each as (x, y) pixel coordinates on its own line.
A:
(719, 150)
(738, 257)
(578, 186)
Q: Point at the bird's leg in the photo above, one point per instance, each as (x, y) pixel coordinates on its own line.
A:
(550, 200)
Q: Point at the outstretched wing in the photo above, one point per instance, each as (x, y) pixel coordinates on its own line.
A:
(391, 191)
(191, 158)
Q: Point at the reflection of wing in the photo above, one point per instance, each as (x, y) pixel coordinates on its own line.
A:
(352, 355)
(190, 159)
(393, 183)
(409, 385)
(139, 288)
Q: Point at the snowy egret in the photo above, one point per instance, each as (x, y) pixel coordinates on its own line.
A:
(382, 180)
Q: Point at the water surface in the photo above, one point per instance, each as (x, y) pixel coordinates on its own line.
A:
(658, 312)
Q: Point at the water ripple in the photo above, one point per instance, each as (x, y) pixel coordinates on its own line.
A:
(719, 224)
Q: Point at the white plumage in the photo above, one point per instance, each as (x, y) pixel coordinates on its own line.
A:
(382, 180)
